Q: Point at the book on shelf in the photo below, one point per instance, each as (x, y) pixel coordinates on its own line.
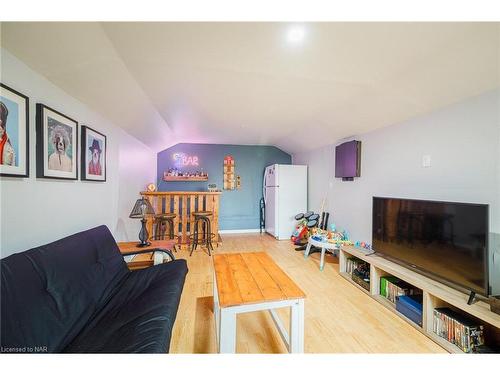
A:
(359, 271)
(465, 333)
(352, 263)
(392, 287)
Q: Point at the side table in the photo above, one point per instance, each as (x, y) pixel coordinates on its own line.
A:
(146, 256)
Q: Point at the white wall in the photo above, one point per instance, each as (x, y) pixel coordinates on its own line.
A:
(463, 141)
(37, 211)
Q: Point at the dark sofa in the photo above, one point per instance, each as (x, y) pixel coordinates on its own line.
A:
(76, 295)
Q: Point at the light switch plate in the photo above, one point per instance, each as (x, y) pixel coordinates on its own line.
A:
(426, 161)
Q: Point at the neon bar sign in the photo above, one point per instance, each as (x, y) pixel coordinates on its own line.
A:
(182, 159)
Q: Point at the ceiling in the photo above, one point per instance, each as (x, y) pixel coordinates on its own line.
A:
(242, 83)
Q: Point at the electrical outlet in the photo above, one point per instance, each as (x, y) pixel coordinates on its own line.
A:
(426, 161)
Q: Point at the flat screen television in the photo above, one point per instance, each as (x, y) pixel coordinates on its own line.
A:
(348, 160)
(443, 240)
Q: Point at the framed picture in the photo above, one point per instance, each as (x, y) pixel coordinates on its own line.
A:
(14, 133)
(93, 155)
(56, 144)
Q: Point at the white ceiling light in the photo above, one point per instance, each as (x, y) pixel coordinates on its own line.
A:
(296, 34)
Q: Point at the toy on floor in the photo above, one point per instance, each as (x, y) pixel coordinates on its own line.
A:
(331, 236)
(324, 220)
(319, 234)
(308, 223)
(300, 229)
(345, 234)
(305, 224)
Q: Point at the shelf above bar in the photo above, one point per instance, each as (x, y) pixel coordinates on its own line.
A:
(184, 178)
(155, 193)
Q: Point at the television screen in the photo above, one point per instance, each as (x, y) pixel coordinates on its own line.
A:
(444, 240)
(347, 159)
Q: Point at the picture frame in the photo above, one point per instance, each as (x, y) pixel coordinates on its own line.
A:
(93, 155)
(14, 133)
(56, 144)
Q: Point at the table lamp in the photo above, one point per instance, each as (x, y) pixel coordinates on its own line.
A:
(141, 210)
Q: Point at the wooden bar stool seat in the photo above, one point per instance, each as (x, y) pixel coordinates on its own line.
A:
(161, 222)
(202, 218)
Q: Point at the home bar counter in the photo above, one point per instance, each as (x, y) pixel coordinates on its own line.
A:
(183, 204)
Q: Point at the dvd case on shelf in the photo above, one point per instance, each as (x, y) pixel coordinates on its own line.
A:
(452, 326)
(392, 287)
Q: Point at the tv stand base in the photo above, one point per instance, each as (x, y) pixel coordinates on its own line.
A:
(435, 295)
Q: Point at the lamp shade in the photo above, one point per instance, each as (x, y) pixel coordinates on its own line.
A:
(141, 209)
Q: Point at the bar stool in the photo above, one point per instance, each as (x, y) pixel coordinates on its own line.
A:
(203, 218)
(161, 222)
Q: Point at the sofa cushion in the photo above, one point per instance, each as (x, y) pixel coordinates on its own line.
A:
(140, 316)
(49, 293)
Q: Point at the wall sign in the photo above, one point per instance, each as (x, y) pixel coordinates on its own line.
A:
(229, 179)
(182, 160)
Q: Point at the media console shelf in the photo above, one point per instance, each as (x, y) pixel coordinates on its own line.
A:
(435, 294)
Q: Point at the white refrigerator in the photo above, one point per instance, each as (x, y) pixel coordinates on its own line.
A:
(285, 195)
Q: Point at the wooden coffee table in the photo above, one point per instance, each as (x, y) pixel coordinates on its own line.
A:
(246, 282)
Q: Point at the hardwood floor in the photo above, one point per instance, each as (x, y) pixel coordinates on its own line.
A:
(339, 318)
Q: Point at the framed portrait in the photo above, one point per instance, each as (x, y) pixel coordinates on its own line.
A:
(93, 156)
(14, 133)
(56, 144)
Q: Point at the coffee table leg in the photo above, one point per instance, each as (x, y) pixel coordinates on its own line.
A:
(297, 327)
(227, 338)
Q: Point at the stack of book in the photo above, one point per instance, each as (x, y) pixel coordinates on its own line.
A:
(352, 263)
(459, 330)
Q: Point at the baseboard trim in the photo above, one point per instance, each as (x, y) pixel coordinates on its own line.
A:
(236, 231)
